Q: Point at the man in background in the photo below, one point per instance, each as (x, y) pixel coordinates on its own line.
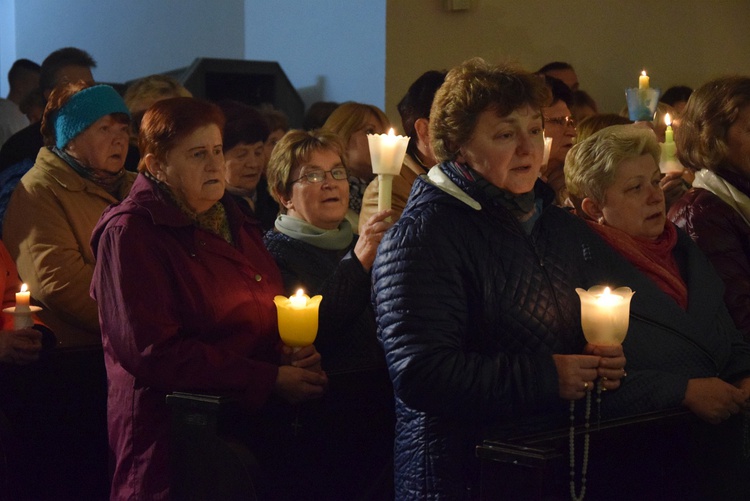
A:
(23, 78)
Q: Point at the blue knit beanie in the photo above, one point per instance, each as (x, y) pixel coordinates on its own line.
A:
(83, 109)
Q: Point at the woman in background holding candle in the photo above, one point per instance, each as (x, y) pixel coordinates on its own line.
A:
(185, 292)
(475, 288)
(16, 346)
(316, 249)
(352, 122)
(713, 140)
(682, 347)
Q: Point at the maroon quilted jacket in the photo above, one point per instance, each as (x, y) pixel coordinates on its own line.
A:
(724, 236)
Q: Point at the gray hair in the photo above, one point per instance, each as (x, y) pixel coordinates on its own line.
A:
(591, 165)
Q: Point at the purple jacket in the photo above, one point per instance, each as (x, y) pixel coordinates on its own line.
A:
(180, 310)
(724, 237)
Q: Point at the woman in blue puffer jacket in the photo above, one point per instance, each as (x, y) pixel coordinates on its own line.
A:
(474, 287)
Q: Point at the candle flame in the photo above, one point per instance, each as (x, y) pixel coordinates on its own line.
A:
(667, 119)
(391, 132)
(24, 288)
(644, 72)
(299, 293)
(607, 291)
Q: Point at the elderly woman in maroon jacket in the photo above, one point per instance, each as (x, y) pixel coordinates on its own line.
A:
(714, 139)
(185, 288)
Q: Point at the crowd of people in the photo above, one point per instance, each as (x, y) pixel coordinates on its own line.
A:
(160, 227)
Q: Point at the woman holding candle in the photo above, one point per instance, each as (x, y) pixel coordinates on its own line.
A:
(353, 122)
(185, 292)
(53, 210)
(615, 176)
(20, 346)
(682, 346)
(713, 140)
(316, 249)
(475, 287)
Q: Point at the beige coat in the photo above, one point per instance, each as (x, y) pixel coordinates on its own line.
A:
(401, 189)
(47, 230)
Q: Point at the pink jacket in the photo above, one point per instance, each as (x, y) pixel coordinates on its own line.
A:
(180, 310)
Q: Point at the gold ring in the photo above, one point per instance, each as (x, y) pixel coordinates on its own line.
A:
(585, 386)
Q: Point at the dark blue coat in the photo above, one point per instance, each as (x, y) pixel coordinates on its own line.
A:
(470, 310)
(666, 345)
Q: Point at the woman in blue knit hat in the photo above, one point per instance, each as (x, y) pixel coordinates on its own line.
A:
(53, 210)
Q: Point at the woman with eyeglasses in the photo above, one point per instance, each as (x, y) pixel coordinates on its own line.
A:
(561, 128)
(316, 250)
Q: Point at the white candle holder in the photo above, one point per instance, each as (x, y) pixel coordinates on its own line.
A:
(605, 314)
(22, 315)
(387, 153)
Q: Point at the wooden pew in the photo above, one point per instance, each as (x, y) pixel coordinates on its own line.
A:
(206, 463)
(662, 455)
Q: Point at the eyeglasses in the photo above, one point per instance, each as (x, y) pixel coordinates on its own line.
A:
(319, 175)
(561, 121)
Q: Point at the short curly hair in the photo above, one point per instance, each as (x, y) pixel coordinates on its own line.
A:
(293, 149)
(713, 108)
(473, 87)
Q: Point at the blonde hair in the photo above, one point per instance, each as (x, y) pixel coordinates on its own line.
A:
(591, 165)
(473, 87)
(296, 147)
(349, 116)
(144, 92)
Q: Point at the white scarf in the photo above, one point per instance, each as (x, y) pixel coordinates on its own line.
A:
(728, 194)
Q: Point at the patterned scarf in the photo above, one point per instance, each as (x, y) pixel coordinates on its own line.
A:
(523, 206)
(109, 181)
(652, 257)
(357, 188)
(214, 220)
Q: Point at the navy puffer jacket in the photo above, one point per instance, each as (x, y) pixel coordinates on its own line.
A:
(470, 310)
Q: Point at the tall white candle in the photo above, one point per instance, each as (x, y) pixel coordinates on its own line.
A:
(387, 153)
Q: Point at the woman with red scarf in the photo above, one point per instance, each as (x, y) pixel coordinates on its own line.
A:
(682, 346)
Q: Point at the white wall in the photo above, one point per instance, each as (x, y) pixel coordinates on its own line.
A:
(329, 52)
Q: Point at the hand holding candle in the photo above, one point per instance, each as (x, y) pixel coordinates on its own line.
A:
(298, 318)
(605, 314)
(22, 311)
(387, 153)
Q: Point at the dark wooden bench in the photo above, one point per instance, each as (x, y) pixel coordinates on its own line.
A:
(207, 463)
(664, 455)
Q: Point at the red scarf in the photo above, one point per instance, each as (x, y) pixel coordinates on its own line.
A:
(652, 257)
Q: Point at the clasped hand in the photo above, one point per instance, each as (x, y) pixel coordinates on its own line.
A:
(577, 373)
(20, 346)
(301, 377)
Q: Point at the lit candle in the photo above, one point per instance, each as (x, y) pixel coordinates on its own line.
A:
(298, 318)
(605, 314)
(547, 149)
(643, 80)
(22, 299)
(387, 153)
(668, 162)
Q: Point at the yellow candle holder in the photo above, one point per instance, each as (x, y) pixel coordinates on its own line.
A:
(298, 318)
